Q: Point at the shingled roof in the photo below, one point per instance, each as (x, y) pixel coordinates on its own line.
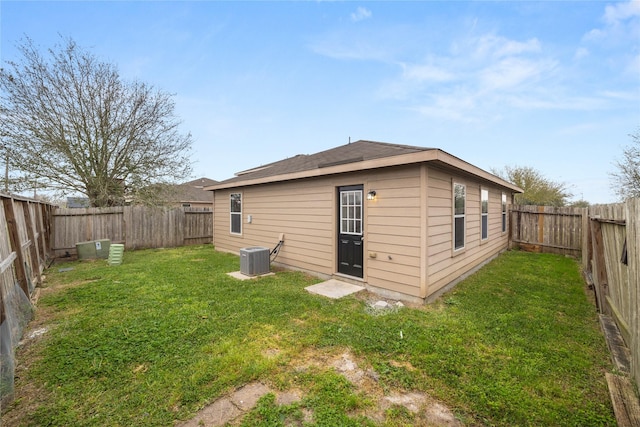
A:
(193, 191)
(359, 155)
(350, 153)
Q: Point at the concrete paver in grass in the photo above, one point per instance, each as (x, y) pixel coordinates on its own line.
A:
(232, 408)
(229, 408)
(238, 275)
(334, 289)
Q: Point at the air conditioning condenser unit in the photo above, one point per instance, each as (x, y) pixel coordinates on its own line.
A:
(254, 261)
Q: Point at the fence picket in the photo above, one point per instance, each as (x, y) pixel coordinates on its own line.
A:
(30, 232)
(23, 256)
(633, 280)
(599, 235)
(548, 229)
(136, 227)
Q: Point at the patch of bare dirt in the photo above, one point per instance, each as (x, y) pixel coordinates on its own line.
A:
(28, 396)
(46, 290)
(231, 409)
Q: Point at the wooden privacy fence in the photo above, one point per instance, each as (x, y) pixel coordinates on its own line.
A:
(548, 229)
(136, 227)
(24, 251)
(607, 239)
(612, 260)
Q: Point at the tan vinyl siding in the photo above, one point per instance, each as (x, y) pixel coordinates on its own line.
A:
(408, 234)
(393, 230)
(472, 232)
(440, 210)
(302, 211)
(305, 211)
(446, 266)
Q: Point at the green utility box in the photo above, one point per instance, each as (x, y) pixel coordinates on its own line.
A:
(116, 253)
(102, 248)
(93, 249)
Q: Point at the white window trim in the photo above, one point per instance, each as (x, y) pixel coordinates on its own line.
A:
(231, 214)
(484, 214)
(503, 208)
(463, 216)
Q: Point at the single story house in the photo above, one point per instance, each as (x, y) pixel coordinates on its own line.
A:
(406, 222)
(193, 195)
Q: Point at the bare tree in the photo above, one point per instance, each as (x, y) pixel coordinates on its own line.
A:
(73, 124)
(538, 190)
(626, 180)
(12, 181)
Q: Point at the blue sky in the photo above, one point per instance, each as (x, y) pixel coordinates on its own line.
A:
(554, 85)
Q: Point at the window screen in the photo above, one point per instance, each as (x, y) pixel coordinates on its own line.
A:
(236, 213)
(484, 218)
(459, 206)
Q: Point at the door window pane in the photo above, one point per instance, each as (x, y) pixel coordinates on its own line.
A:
(351, 212)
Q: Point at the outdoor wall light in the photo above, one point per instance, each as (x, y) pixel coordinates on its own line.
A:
(371, 195)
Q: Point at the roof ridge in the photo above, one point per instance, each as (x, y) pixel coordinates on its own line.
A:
(391, 144)
(352, 152)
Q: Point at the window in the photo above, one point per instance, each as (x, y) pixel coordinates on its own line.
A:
(236, 213)
(504, 212)
(459, 195)
(351, 212)
(484, 216)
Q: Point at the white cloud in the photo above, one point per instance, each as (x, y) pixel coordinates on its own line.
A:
(617, 40)
(480, 78)
(426, 72)
(459, 106)
(415, 78)
(581, 52)
(552, 101)
(361, 14)
(354, 50)
(499, 47)
(595, 34)
(511, 73)
(614, 14)
(620, 96)
(621, 24)
(633, 66)
(357, 44)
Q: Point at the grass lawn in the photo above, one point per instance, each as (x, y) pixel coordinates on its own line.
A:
(154, 340)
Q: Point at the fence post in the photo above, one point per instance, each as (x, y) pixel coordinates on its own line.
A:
(42, 234)
(541, 215)
(127, 219)
(181, 222)
(632, 207)
(586, 241)
(600, 273)
(16, 245)
(33, 247)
